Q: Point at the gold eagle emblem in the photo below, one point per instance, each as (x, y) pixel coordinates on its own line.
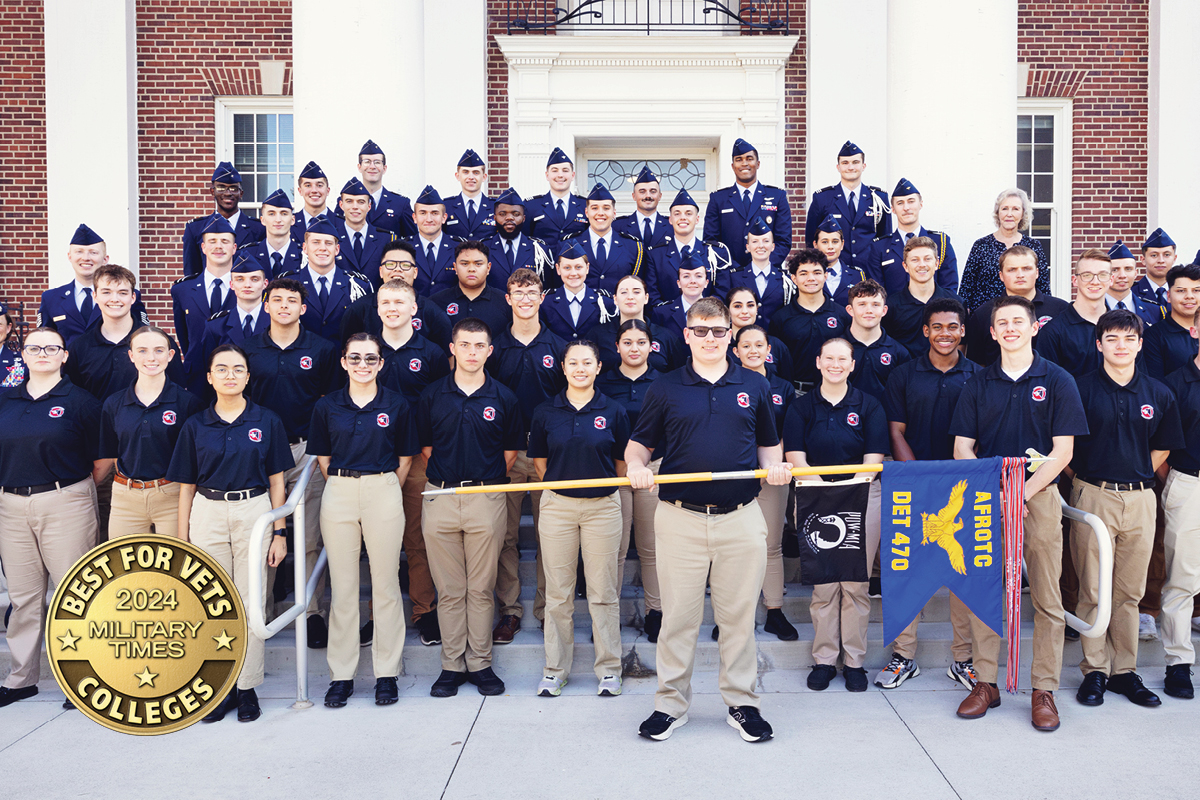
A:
(940, 528)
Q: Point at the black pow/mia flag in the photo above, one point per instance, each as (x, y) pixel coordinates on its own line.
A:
(829, 524)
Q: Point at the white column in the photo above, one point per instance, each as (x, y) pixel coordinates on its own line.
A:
(455, 88)
(847, 88)
(359, 73)
(951, 110)
(91, 128)
(1173, 168)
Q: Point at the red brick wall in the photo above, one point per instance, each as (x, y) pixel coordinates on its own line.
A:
(795, 108)
(1096, 53)
(182, 55)
(497, 99)
(23, 153)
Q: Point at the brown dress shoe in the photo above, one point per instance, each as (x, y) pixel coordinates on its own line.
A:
(1045, 714)
(981, 698)
(507, 628)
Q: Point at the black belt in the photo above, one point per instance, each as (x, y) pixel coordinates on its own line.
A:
(352, 473)
(26, 491)
(1195, 473)
(1118, 487)
(230, 497)
(708, 510)
(457, 484)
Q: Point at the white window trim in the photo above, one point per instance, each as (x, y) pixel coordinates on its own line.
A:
(225, 107)
(1064, 181)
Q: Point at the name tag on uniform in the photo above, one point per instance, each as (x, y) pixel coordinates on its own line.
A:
(726, 210)
(889, 261)
(60, 317)
(836, 216)
(543, 216)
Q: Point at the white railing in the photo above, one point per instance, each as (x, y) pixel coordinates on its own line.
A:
(1099, 626)
(294, 507)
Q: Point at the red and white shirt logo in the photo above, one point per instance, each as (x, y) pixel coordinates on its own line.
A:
(305, 362)
(777, 399)
(168, 418)
(852, 419)
(57, 411)
(383, 420)
(416, 322)
(743, 400)
(885, 358)
(656, 347)
(1147, 412)
(770, 358)
(548, 362)
(489, 413)
(415, 365)
(1039, 393)
(831, 322)
(601, 423)
(1043, 320)
(452, 309)
(255, 435)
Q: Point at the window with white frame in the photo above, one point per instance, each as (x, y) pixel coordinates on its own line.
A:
(686, 165)
(1044, 171)
(255, 134)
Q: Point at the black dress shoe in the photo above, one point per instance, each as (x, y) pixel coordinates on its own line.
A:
(486, 681)
(339, 692)
(778, 624)
(386, 692)
(1072, 634)
(447, 683)
(9, 696)
(1130, 684)
(318, 634)
(68, 705)
(821, 675)
(247, 705)
(874, 588)
(230, 703)
(1091, 691)
(652, 625)
(1179, 682)
(856, 679)
(716, 632)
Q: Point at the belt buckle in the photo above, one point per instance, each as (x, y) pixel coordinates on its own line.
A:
(462, 484)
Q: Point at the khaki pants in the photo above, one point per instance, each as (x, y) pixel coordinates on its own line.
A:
(508, 578)
(960, 621)
(463, 534)
(1181, 509)
(420, 582)
(357, 511)
(568, 526)
(222, 529)
(1043, 560)
(637, 517)
(135, 511)
(773, 502)
(729, 552)
(1129, 517)
(312, 527)
(841, 611)
(43, 534)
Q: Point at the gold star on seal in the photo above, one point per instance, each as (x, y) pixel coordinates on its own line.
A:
(224, 640)
(68, 641)
(146, 677)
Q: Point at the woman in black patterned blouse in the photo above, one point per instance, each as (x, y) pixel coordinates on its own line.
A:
(981, 275)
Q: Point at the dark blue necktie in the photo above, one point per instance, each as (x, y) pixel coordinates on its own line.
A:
(85, 308)
(276, 264)
(358, 248)
(247, 327)
(601, 256)
(646, 232)
(685, 252)
(508, 252)
(851, 205)
(562, 213)
(1162, 297)
(746, 203)
(214, 300)
(470, 215)
(323, 293)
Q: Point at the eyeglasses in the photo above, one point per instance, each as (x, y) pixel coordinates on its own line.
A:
(354, 359)
(718, 331)
(222, 372)
(1093, 277)
(227, 188)
(372, 162)
(525, 295)
(403, 266)
(43, 350)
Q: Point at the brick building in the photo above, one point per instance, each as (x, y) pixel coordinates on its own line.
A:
(116, 110)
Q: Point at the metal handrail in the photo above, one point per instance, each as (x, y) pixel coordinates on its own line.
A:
(1099, 626)
(254, 611)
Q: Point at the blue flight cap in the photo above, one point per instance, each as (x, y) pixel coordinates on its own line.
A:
(322, 226)
(684, 199)
(217, 224)
(370, 149)
(225, 173)
(1119, 250)
(557, 156)
(830, 225)
(85, 235)
(645, 176)
(429, 197)
(600, 193)
(279, 199)
(849, 149)
(509, 197)
(246, 261)
(904, 188)
(1158, 239)
(355, 187)
(741, 147)
(759, 227)
(312, 172)
(572, 248)
(470, 159)
(696, 259)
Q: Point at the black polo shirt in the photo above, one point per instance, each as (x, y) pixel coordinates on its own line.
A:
(779, 360)
(418, 363)
(1005, 417)
(702, 427)
(830, 434)
(580, 443)
(804, 331)
(103, 367)
(231, 456)
(1185, 383)
(52, 438)
(903, 321)
(532, 372)
(982, 348)
(1125, 424)
(783, 392)
(1069, 340)
(923, 398)
(142, 437)
(469, 434)
(629, 392)
(368, 439)
(290, 380)
(490, 306)
(667, 351)
(1167, 346)
(874, 362)
(363, 317)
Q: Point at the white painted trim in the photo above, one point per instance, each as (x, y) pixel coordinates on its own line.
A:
(1063, 256)
(224, 107)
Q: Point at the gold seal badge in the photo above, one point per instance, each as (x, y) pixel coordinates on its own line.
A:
(146, 634)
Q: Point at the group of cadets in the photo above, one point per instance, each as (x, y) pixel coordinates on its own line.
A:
(470, 341)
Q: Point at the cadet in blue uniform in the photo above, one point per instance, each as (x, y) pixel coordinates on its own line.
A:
(399, 262)
(200, 295)
(227, 192)
(470, 214)
(557, 214)
(574, 308)
(364, 440)
(662, 272)
(230, 461)
(840, 276)
(313, 188)
(1069, 339)
(810, 318)
(469, 426)
(885, 262)
(611, 255)
(471, 296)
(580, 433)
(876, 354)
(731, 209)
(390, 211)
(70, 309)
(861, 211)
(711, 415)
(525, 358)
(1120, 292)
(764, 276)
(511, 250)
(693, 285)
(12, 367)
(138, 429)
(1019, 276)
(632, 301)
(651, 228)
(1002, 415)
(360, 244)
(435, 249)
(48, 473)
(279, 251)
(330, 289)
(1158, 256)
(906, 308)
(743, 310)
(1169, 344)
(247, 318)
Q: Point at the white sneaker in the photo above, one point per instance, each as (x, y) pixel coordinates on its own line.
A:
(1147, 630)
(551, 686)
(897, 671)
(610, 686)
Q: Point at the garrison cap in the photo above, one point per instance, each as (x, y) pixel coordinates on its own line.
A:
(600, 193)
(572, 248)
(429, 197)
(355, 187)
(849, 149)
(1158, 238)
(369, 148)
(830, 225)
(741, 147)
(509, 197)
(322, 226)
(904, 188)
(246, 261)
(1119, 250)
(217, 224)
(470, 159)
(557, 156)
(85, 235)
(695, 260)
(279, 199)
(684, 199)
(759, 226)
(225, 173)
(645, 176)
(312, 172)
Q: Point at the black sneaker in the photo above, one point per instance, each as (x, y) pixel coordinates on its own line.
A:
(659, 726)
(652, 625)
(486, 681)
(427, 626)
(247, 705)
(9, 696)
(339, 692)
(386, 692)
(447, 683)
(230, 703)
(821, 675)
(874, 588)
(778, 624)
(1179, 682)
(856, 679)
(749, 723)
(318, 634)
(366, 633)
(716, 632)
(1071, 634)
